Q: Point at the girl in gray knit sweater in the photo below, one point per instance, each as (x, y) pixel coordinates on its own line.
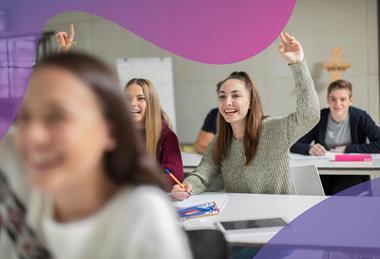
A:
(250, 150)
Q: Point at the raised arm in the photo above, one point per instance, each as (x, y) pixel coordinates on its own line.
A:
(307, 112)
(290, 49)
(64, 40)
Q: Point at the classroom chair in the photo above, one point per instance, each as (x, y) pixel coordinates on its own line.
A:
(208, 244)
(306, 180)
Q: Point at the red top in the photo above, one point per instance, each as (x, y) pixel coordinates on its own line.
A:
(169, 154)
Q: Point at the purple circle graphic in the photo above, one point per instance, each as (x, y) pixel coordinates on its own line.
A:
(342, 226)
(215, 32)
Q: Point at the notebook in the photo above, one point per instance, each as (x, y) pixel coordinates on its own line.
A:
(353, 158)
(219, 198)
(211, 204)
(201, 210)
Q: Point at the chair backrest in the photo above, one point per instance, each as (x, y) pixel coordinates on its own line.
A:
(207, 244)
(307, 181)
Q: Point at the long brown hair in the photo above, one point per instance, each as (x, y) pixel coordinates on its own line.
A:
(252, 127)
(127, 163)
(154, 115)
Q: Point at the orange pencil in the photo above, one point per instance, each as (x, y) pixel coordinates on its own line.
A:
(167, 171)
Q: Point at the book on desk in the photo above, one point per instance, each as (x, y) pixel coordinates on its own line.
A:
(343, 158)
(207, 204)
(200, 210)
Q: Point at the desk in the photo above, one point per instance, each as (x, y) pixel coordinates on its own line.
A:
(260, 206)
(253, 206)
(325, 166)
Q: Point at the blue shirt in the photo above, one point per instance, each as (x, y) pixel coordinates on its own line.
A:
(209, 124)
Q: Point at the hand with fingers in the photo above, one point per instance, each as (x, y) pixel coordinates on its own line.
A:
(317, 150)
(290, 48)
(65, 40)
(180, 193)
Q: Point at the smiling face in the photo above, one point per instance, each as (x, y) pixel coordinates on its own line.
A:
(234, 101)
(339, 101)
(62, 134)
(137, 100)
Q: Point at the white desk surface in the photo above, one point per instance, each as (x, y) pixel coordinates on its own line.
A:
(260, 206)
(328, 167)
(254, 206)
(325, 165)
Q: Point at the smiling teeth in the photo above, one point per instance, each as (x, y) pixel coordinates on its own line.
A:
(229, 111)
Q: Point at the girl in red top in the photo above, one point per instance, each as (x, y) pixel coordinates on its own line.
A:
(160, 141)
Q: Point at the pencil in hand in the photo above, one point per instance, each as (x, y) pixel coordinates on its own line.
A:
(167, 171)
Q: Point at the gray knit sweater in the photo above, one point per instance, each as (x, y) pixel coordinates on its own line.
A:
(269, 171)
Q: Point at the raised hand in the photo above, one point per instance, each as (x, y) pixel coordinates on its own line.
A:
(290, 48)
(65, 41)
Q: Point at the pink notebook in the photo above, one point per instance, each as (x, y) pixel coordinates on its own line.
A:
(353, 158)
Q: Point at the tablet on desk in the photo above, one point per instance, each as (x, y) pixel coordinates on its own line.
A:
(251, 225)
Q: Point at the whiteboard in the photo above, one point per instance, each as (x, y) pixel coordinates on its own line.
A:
(157, 70)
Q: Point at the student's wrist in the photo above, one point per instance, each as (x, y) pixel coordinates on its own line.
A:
(296, 62)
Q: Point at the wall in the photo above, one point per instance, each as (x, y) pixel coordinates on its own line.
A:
(319, 25)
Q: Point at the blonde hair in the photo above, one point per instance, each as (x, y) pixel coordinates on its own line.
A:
(154, 115)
